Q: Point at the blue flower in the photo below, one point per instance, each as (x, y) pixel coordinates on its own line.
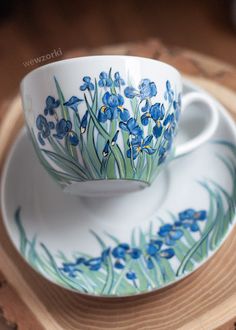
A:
(170, 233)
(87, 84)
(156, 113)
(135, 253)
(94, 264)
(154, 250)
(73, 103)
(44, 128)
(105, 151)
(119, 265)
(146, 90)
(150, 264)
(146, 106)
(171, 125)
(84, 123)
(131, 276)
(120, 251)
(138, 146)
(131, 127)
(113, 104)
(189, 218)
(51, 105)
(105, 254)
(115, 137)
(177, 107)
(169, 93)
(104, 81)
(80, 261)
(64, 129)
(118, 81)
(70, 269)
(131, 92)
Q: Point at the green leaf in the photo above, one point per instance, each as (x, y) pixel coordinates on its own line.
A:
(110, 276)
(67, 281)
(228, 144)
(64, 110)
(115, 150)
(111, 170)
(191, 251)
(91, 143)
(32, 255)
(67, 164)
(43, 160)
(23, 238)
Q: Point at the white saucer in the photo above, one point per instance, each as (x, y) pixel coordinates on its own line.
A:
(118, 246)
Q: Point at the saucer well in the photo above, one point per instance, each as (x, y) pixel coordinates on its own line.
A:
(125, 245)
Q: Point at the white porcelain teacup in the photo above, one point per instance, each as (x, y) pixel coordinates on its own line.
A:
(104, 125)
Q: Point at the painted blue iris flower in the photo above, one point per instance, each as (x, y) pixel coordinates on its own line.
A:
(94, 264)
(156, 113)
(135, 253)
(112, 106)
(104, 80)
(118, 81)
(64, 129)
(131, 276)
(119, 264)
(154, 250)
(87, 84)
(70, 269)
(115, 137)
(190, 217)
(51, 105)
(132, 128)
(138, 146)
(170, 233)
(120, 250)
(146, 90)
(169, 93)
(177, 107)
(170, 125)
(73, 103)
(120, 253)
(84, 123)
(106, 149)
(44, 128)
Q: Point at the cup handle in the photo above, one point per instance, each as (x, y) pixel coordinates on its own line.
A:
(207, 132)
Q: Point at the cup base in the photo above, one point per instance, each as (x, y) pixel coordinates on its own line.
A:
(105, 188)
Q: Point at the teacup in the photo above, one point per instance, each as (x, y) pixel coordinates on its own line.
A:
(104, 125)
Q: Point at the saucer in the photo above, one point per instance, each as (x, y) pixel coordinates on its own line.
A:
(131, 244)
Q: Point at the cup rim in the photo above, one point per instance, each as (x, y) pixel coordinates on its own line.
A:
(92, 58)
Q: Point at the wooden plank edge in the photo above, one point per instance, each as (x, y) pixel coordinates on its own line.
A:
(27, 295)
(217, 317)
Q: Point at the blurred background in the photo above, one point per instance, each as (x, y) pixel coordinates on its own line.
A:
(29, 29)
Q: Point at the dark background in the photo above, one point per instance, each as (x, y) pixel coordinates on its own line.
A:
(30, 29)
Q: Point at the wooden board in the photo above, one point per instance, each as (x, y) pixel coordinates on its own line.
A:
(204, 300)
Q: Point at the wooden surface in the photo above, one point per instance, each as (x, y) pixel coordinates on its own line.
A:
(204, 300)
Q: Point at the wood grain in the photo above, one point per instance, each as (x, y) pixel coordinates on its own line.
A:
(204, 300)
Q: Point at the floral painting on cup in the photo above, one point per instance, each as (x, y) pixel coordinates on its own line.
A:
(111, 130)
